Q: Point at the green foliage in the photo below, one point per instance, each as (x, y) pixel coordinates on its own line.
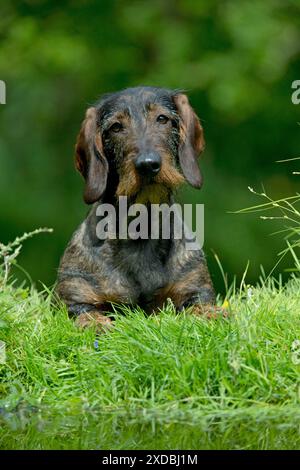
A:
(10, 252)
(236, 59)
(287, 212)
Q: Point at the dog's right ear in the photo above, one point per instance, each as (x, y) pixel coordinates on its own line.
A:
(90, 160)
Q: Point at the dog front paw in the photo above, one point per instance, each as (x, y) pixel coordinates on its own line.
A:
(94, 319)
(211, 312)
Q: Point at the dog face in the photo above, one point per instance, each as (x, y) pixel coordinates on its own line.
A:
(140, 142)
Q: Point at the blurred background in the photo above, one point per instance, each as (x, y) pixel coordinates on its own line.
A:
(237, 61)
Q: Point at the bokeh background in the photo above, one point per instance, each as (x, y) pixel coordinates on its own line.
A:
(237, 61)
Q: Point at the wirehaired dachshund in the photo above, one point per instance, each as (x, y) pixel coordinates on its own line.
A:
(141, 143)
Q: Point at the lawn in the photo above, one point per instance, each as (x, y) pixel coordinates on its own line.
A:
(165, 381)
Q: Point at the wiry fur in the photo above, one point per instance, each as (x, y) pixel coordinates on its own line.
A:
(94, 273)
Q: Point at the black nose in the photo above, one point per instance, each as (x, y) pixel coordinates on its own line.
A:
(148, 164)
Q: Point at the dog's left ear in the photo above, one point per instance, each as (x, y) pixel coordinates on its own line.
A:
(90, 160)
(191, 140)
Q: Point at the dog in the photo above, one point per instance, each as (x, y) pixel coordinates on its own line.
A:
(140, 143)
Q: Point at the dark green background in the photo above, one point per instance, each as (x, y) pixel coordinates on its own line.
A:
(237, 60)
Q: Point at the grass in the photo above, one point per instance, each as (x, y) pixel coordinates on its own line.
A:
(168, 381)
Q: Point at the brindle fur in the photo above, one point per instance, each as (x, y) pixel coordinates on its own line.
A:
(94, 273)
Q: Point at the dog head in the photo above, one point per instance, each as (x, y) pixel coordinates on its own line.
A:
(141, 142)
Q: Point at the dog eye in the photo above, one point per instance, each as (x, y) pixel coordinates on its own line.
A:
(162, 119)
(116, 127)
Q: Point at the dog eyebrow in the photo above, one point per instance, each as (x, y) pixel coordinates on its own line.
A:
(161, 105)
(150, 105)
(107, 116)
(167, 103)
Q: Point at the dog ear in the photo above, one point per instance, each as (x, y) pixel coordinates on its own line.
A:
(191, 140)
(90, 160)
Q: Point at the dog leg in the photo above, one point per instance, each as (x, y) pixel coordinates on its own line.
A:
(193, 291)
(202, 303)
(89, 296)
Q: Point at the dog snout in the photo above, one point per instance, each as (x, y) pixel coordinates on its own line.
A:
(148, 164)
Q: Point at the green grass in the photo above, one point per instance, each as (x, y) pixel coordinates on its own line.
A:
(166, 381)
